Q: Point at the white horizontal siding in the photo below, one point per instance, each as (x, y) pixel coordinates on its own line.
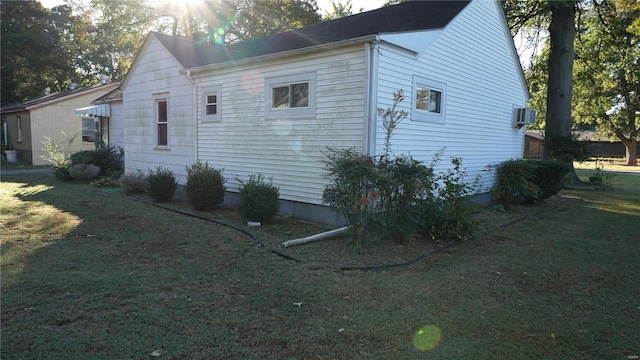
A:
(157, 71)
(472, 57)
(288, 150)
(116, 125)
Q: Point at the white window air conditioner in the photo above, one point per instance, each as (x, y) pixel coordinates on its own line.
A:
(523, 116)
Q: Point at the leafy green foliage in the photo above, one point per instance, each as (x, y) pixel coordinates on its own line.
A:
(259, 199)
(549, 176)
(205, 186)
(527, 181)
(109, 159)
(83, 171)
(134, 182)
(105, 182)
(161, 184)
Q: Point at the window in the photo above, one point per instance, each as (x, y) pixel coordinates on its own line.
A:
(19, 121)
(290, 96)
(162, 123)
(428, 100)
(88, 130)
(211, 103)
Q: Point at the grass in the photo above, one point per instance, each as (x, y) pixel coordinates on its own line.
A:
(606, 164)
(89, 273)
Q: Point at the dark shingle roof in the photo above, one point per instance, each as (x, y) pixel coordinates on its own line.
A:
(23, 105)
(408, 16)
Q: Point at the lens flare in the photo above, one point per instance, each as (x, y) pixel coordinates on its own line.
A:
(427, 338)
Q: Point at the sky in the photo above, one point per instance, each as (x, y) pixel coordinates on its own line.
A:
(324, 5)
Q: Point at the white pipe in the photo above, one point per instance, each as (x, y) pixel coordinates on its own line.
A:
(315, 237)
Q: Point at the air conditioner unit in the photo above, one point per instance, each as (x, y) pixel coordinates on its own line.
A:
(523, 116)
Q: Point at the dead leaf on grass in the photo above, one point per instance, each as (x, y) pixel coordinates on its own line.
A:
(156, 353)
(298, 304)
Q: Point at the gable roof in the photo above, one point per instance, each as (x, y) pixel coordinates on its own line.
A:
(53, 98)
(407, 16)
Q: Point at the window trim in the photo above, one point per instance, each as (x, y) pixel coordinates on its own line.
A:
(157, 98)
(92, 127)
(291, 112)
(211, 90)
(425, 115)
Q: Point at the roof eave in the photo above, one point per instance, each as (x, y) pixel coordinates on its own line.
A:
(71, 96)
(283, 54)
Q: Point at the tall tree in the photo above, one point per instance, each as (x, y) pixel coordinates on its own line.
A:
(338, 10)
(562, 30)
(257, 18)
(608, 71)
(32, 57)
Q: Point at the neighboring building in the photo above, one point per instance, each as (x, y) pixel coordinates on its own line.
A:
(26, 124)
(273, 105)
(596, 145)
(108, 112)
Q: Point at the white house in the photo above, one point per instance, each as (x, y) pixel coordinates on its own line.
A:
(273, 105)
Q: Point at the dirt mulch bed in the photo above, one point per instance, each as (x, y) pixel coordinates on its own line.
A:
(337, 251)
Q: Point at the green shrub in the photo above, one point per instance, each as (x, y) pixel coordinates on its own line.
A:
(549, 176)
(455, 215)
(161, 184)
(105, 182)
(110, 159)
(515, 183)
(205, 186)
(134, 182)
(259, 200)
(83, 171)
(400, 183)
(62, 173)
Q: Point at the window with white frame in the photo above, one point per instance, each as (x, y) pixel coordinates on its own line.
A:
(19, 121)
(429, 100)
(88, 130)
(162, 121)
(211, 104)
(292, 96)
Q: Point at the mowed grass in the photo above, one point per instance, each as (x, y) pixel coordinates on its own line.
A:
(91, 274)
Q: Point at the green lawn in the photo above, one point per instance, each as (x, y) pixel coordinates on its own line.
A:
(91, 274)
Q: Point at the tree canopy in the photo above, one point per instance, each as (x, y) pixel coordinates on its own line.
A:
(88, 39)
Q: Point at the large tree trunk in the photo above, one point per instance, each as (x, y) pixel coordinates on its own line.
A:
(631, 148)
(558, 123)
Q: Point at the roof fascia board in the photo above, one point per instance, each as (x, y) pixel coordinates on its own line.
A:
(284, 54)
(407, 40)
(512, 48)
(71, 96)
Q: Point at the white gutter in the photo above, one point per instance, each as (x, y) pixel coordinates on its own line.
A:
(315, 237)
(290, 53)
(372, 95)
(195, 117)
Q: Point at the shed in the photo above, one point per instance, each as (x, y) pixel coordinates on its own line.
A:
(26, 124)
(273, 105)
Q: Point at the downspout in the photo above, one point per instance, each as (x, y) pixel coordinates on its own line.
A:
(371, 56)
(195, 117)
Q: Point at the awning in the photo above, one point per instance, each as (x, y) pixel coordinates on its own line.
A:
(103, 110)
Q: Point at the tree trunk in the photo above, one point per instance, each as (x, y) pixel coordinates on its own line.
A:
(559, 92)
(631, 148)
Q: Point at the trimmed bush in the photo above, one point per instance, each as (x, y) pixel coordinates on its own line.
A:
(259, 200)
(527, 181)
(161, 184)
(83, 171)
(205, 186)
(62, 173)
(549, 176)
(110, 159)
(134, 182)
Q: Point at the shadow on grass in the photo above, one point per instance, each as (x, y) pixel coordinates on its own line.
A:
(131, 279)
